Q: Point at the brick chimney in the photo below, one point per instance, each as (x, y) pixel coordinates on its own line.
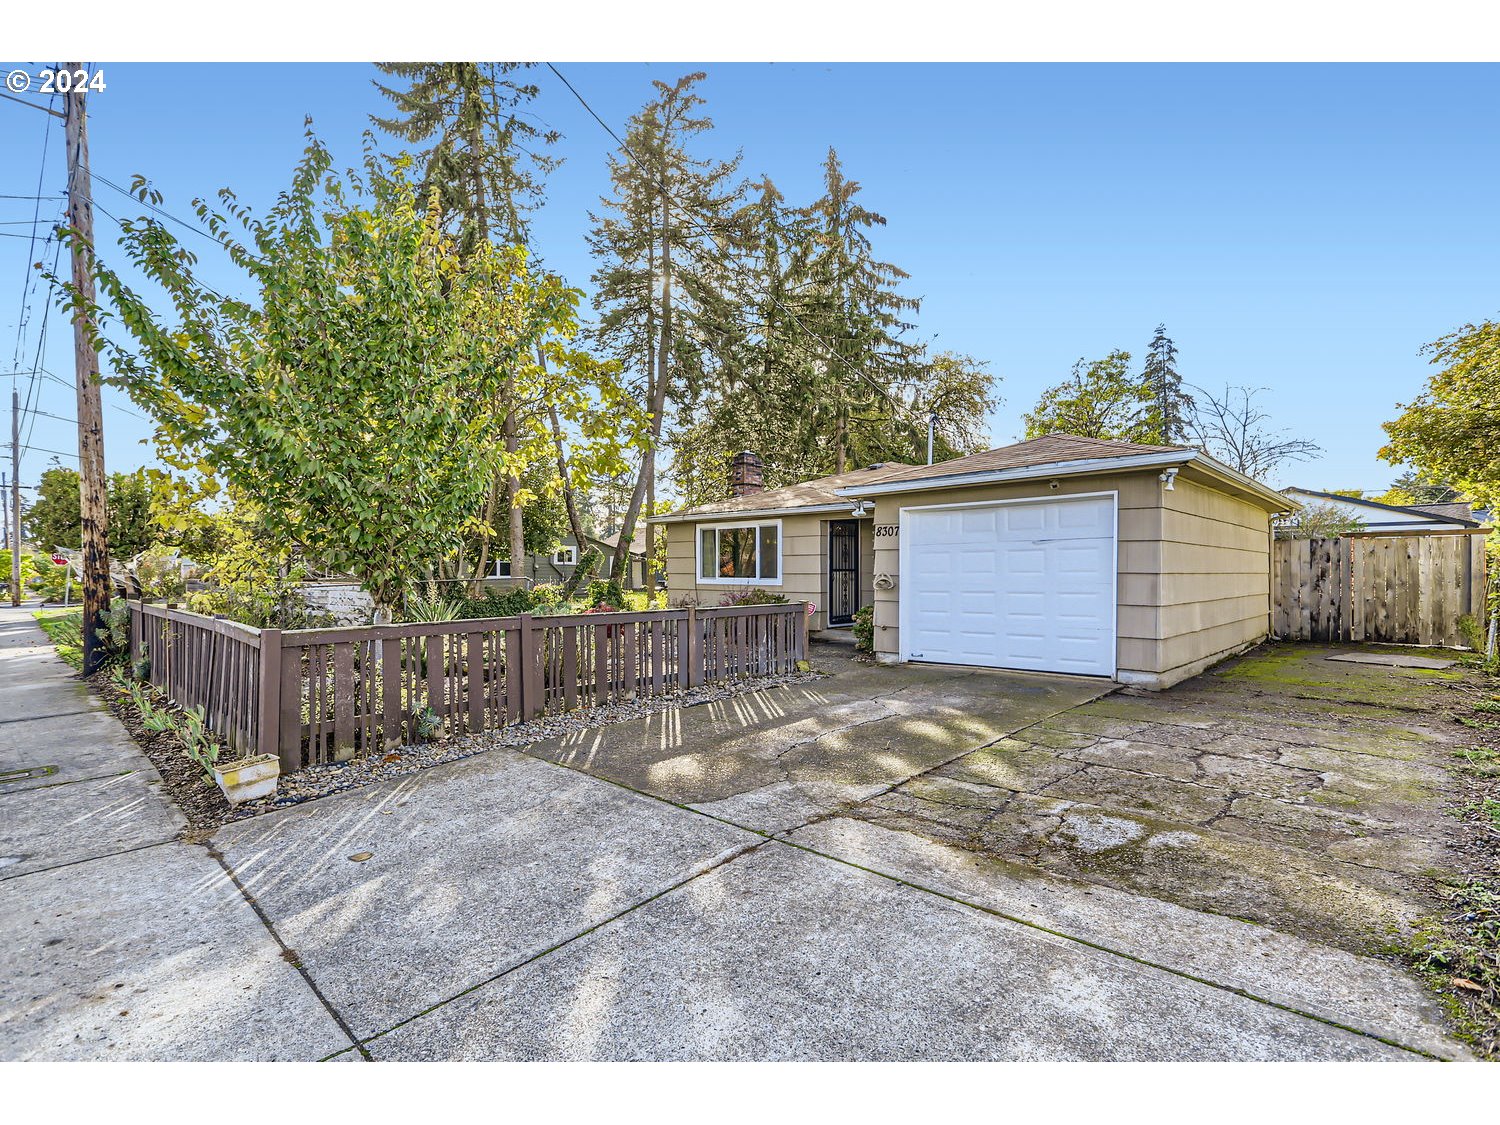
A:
(745, 474)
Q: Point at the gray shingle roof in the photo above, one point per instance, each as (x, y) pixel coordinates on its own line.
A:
(808, 494)
(1050, 449)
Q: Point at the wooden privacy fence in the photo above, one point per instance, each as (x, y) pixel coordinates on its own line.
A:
(322, 695)
(1408, 588)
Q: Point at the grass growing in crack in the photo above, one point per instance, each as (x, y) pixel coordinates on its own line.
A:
(1459, 953)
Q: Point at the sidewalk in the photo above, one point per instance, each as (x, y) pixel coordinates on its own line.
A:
(117, 939)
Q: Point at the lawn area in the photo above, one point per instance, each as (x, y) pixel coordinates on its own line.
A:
(65, 628)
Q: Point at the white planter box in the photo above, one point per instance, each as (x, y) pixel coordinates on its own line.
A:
(248, 779)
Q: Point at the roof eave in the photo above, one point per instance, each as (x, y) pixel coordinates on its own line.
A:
(747, 513)
(1024, 473)
(1083, 467)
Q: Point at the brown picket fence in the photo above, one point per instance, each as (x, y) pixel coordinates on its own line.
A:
(323, 695)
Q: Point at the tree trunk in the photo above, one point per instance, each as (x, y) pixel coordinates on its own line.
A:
(513, 487)
(481, 568)
(656, 403)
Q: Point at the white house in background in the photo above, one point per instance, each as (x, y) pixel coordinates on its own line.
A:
(1389, 517)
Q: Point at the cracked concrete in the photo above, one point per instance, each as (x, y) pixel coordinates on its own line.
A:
(1237, 793)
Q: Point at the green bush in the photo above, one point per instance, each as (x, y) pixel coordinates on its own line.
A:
(606, 591)
(864, 629)
(755, 596)
(275, 605)
(508, 603)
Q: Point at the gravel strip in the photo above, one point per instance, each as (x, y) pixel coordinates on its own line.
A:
(339, 777)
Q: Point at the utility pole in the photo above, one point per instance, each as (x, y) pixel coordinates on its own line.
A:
(91, 493)
(15, 497)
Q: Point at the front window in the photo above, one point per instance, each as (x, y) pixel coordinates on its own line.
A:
(740, 553)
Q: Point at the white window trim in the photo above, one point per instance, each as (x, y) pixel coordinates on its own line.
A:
(570, 551)
(700, 528)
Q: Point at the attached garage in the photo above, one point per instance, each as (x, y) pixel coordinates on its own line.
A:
(1143, 564)
(1011, 584)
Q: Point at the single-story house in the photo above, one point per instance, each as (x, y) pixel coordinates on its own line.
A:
(1139, 563)
(1377, 517)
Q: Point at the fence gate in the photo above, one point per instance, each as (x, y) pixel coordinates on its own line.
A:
(1409, 588)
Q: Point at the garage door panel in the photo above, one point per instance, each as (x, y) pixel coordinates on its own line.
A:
(1028, 586)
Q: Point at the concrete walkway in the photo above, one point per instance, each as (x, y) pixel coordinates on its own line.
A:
(684, 887)
(116, 939)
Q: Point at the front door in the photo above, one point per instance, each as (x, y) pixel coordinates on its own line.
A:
(843, 571)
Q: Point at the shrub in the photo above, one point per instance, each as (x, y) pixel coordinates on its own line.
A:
(430, 605)
(160, 575)
(276, 605)
(755, 596)
(606, 591)
(115, 633)
(864, 629)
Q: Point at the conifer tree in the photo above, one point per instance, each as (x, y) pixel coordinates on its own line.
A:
(1171, 410)
(666, 289)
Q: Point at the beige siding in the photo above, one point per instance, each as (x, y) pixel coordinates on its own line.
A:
(1194, 568)
(1216, 577)
(804, 564)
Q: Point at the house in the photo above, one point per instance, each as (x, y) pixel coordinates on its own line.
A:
(1376, 516)
(1138, 563)
(557, 565)
(804, 542)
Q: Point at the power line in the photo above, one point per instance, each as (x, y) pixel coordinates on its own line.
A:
(152, 206)
(729, 259)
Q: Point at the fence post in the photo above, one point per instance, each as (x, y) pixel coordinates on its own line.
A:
(802, 631)
(268, 703)
(532, 698)
(694, 649)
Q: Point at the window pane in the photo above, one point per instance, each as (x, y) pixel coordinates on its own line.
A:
(770, 555)
(708, 554)
(737, 552)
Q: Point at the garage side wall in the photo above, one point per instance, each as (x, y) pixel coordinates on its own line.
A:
(1215, 579)
(803, 563)
(1140, 556)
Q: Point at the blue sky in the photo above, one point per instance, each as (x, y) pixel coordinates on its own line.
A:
(1301, 228)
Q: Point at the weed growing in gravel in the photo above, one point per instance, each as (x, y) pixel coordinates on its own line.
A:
(1460, 954)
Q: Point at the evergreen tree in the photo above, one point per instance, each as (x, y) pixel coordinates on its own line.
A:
(483, 158)
(857, 312)
(487, 164)
(666, 290)
(1171, 409)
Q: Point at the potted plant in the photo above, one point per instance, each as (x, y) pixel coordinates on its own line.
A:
(247, 779)
(241, 779)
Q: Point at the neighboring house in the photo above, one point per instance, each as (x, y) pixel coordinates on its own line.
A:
(558, 565)
(1376, 516)
(1144, 564)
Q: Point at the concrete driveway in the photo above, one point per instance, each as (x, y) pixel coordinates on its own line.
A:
(798, 873)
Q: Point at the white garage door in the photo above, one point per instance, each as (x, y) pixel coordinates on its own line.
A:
(1023, 585)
